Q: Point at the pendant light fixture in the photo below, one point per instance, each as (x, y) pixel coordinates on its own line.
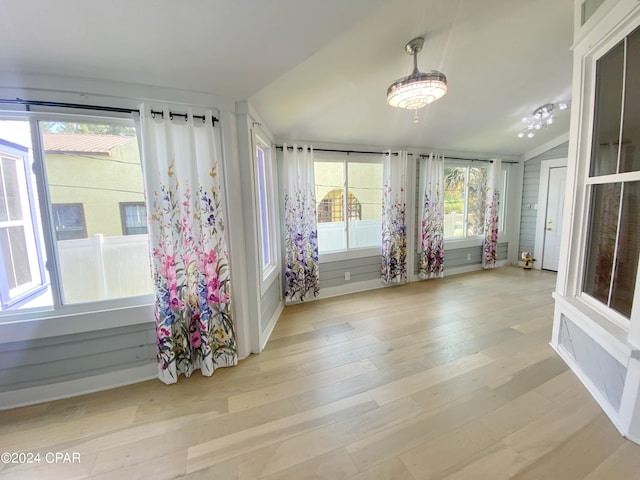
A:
(418, 89)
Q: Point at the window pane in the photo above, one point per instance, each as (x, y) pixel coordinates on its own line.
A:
(330, 200)
(94, 168)
(364, 204)
(12, 188)
(609, 76)
(68, 221)
(134, 218)
(454, 197)
(601, 241)
(628, 250)
(477, 201)
(263, 206)
(630, 155)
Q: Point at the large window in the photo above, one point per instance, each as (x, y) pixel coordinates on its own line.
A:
(62, 205)
(465, 199)
(613, 236)
(348, 203)
(266, 206)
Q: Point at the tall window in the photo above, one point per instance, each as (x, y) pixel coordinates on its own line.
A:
(88, 170)
(613, 236)
(465, 199)
(266, 206)
(354, 186)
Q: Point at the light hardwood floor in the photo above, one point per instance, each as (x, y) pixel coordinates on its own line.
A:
(448, 378)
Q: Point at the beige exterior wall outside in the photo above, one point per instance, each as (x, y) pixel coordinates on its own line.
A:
(99, 182)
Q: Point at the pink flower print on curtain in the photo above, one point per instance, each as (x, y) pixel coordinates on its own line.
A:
(194, 324)
(491, 219)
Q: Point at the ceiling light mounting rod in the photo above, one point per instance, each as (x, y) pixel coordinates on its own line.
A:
(418, 89)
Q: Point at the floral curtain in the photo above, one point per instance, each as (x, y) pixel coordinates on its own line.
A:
(394, 229)
(431, 242)
(190, 264)
(302, 275)
(491, 220)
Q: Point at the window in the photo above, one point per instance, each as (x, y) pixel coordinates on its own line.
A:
(266, 208)
(354, 186)
(465, 198)
(69, 221)
(64, 196)
(134, 218)
(613, 235)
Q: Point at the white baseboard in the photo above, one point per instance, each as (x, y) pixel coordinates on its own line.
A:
(351, 288)
(266, 333)
(80, 386)
(600, 399)
(474, 267)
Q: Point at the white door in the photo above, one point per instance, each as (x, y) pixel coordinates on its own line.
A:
(553, 220)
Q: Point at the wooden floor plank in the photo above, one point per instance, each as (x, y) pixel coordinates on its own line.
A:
(450, 378)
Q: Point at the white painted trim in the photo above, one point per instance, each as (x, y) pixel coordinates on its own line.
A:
(543, 193)
(80, 386)
(609, 410)
(352, 288)
(546, 146)
(268, 330)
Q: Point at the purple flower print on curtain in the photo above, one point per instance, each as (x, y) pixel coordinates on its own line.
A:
(302, 274)
(431, 241)
(190, 262)
(393, 268)
(491, 220)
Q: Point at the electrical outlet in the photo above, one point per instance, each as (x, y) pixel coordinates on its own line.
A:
(468, 256)
(347, 275)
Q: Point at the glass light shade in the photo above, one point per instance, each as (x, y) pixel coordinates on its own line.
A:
(417, 90)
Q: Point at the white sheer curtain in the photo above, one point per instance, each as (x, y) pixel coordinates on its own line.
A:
(431, 241)
(491, 220)
(188, 247)
(302, 274)
(393, 267)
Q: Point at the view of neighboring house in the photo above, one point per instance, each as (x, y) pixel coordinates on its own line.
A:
(97, 202)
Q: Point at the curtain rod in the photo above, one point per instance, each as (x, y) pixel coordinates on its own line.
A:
(102, 108)
(471, 159)
(290, 147)
(279, 147)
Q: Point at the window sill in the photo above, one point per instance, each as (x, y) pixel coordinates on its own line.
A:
(53, 323)
(608, 334)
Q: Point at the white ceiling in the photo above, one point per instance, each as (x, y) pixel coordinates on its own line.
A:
(318, 70)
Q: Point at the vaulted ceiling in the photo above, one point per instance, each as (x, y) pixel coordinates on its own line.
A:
(318, 70)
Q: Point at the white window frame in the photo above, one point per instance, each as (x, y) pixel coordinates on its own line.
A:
(463, 242)
(348, 253)
(268, 211)
(579, 244)
(60, 318)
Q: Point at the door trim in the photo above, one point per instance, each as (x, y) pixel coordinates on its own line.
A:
(543, 193)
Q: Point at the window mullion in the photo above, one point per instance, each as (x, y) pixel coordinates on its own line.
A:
(345, 200)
